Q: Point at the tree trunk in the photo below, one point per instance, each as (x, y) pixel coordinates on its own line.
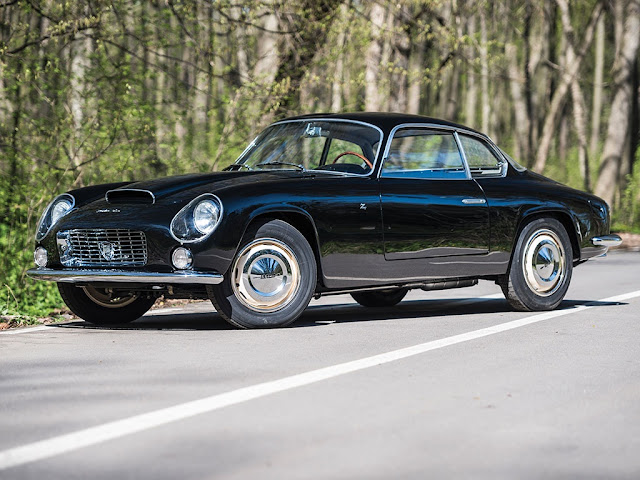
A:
(519, 105)
(79, 52)
(571, 66)
(472, 86)
(336, 86)
(416, 59)
(398, 87)
(484, 71)
(621, 105)
(598, 75)
(372, 100)
(579, 118)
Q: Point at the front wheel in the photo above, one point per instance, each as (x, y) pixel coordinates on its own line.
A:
(541, 267)
(271, 279)
(102, 306)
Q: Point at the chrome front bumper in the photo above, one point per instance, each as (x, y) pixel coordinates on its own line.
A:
(124, 276)
(606, 241)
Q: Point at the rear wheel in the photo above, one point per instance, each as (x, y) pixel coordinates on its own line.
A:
(380, 298)
(271, 279)
(541, 267)
(103, 306)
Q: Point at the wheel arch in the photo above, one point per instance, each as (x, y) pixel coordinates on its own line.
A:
(563, 216)
(296, 217)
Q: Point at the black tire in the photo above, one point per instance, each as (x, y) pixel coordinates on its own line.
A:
(90, 304)
(380, 298)
(273, 256)
(541, 267)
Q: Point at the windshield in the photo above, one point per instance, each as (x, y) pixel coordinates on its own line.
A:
(346, 147)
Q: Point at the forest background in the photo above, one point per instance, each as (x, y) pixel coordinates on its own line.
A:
(114, 90)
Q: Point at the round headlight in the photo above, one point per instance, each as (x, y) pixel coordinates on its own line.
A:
(40, 257)
(205, 216)
(181, 258)
(59, 209)
(198, 219)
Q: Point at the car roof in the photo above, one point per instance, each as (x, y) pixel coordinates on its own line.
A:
(386, 121)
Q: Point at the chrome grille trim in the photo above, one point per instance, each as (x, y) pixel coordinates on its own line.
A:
(97, 247)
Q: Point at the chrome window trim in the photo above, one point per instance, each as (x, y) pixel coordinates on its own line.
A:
(153, 197)
(324, 119)
(493, 148)
(432, 126)
(463, 154)
(511, 161)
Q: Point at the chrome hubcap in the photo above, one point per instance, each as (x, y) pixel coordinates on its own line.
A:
(266, 275)
(106, 298)
(544, 263)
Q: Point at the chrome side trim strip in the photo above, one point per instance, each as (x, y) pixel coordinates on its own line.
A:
(607, 240)
(124, 276)
(473, 201)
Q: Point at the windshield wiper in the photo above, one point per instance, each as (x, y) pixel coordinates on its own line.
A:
(237, 166)
(299, 167)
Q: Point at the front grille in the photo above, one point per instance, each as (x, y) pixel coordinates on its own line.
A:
(96, 247)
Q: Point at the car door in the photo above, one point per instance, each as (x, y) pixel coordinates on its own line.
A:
(431, 207)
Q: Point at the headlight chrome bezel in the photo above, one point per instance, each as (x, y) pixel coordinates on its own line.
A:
(183, 225)
(46, 222)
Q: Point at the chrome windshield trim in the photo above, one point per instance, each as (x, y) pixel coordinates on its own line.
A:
(123, 276)
(324, 119)
(607, 241)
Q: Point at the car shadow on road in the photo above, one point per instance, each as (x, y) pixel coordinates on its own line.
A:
(349, 313)
(322, 315)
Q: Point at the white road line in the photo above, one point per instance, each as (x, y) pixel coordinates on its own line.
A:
(138, 423)
(26, 330)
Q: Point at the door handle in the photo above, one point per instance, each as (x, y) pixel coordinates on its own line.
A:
(473, 201)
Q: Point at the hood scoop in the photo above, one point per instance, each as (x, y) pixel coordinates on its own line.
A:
(130, 195)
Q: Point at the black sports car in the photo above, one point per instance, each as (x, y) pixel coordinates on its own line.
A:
(372, 204)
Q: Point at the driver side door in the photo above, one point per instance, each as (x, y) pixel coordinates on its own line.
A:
(431, 207)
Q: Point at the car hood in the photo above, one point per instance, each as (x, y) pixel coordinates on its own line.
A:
(210, 182)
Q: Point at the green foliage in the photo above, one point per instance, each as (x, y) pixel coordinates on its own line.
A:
(627, 217)
(20, 295)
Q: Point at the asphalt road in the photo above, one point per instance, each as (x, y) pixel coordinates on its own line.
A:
(449, 384)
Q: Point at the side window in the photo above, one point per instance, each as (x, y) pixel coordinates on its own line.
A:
(481, 160)
(423, 153)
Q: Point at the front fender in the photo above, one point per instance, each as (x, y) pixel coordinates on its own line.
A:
(227, 240)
